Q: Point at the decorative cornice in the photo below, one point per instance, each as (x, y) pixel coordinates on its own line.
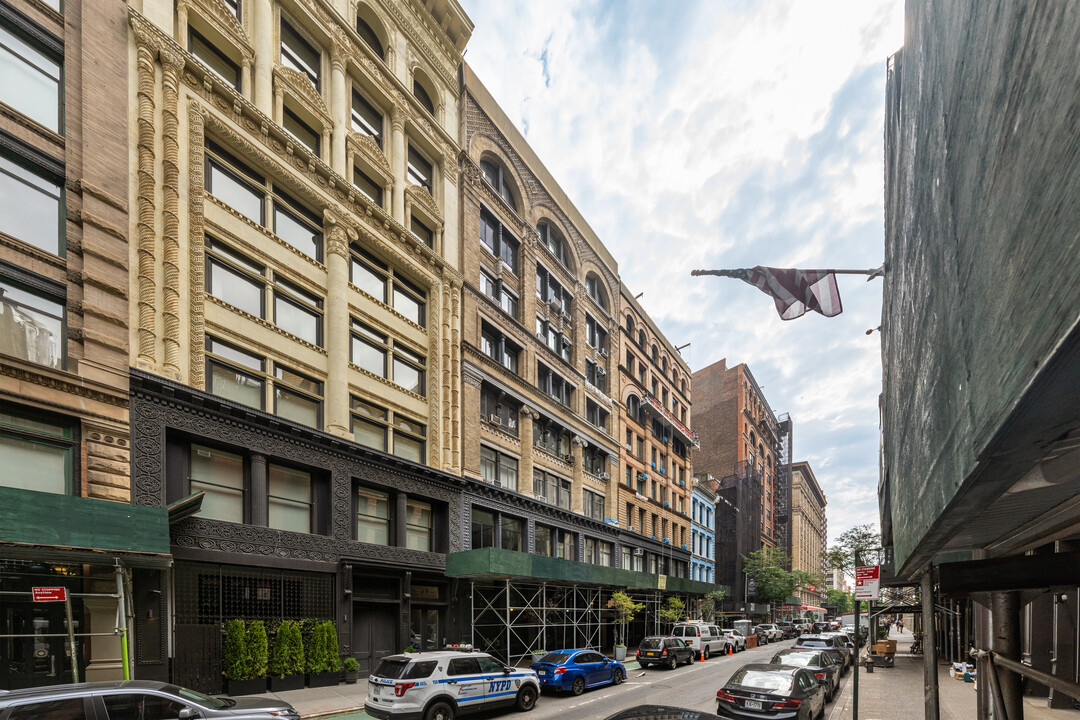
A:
(301, 87)
(77, 389)
(224, 21)
(366, 146)
(420, 196)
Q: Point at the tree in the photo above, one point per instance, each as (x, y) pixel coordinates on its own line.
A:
(673, 610)
(710, 605)
(842, 600)
(861, 545)
(767, 567)
(256, 648)
(625, 608)
(235, 664)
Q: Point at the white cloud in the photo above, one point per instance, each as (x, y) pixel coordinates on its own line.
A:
(724, 134)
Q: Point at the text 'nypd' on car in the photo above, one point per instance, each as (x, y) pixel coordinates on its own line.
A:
(443, 684)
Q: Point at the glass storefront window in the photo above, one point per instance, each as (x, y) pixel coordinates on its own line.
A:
(220, 475)
(290, 499)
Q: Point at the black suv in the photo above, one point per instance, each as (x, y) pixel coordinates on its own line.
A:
(133, 700)
(668, 651)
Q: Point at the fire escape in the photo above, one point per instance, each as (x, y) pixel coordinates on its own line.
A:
(783, 484)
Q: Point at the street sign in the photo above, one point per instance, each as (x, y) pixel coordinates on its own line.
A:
(50, 594)
(867, 582)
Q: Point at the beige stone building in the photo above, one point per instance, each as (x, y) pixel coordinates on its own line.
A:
(294, 311)
(654, 427)
(64, 439)
(809, 530)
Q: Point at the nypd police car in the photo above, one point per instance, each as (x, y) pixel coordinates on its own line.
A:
(441, 685)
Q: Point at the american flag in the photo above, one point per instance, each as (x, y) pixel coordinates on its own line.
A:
(795, 291)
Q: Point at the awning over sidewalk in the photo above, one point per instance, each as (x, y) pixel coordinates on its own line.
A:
(496, 564)
(64, 528)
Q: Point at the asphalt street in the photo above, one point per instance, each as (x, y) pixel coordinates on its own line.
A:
(690, 686)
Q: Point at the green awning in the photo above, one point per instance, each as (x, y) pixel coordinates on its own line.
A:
(34, 523)
(496, 564)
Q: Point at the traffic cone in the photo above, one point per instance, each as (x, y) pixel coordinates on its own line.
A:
(703, 654)
(729, 650)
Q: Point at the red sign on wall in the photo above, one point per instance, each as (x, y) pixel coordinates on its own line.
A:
(50, 594)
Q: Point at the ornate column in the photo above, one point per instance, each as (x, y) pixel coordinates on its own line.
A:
(147, 48)
(397, 164)
(263, 34)
(172, 64)
(260, 490)
(471, 380)
(336, 330)
(577, 487)
(196, 281)
(526, 417)
(339, 108)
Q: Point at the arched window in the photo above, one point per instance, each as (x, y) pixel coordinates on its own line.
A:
(596, 291)
(753, 439)
(684, 387)
(655, 354)
(663, 364)
(420, 93)
(641, 339)
(629, 326)
(497, 178)
(634, 409)
(370, 37)
(554, 241)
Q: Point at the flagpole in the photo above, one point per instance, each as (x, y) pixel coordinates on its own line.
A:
(731, 273)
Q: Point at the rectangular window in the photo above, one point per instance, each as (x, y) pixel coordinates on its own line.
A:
(289, 499)
(32, 326)
(590, 550)
(543, 543)
(369, 348)
(596, 376)
(496, 467)
(298, 228)
(496, 346)
(234, 278)
(418, 526)
(422, 232)
(31, 204)
(235, 374)
(498, 240)
(596, 336)
(499, 409)
(220, 475)
(409, 370)
(30, 77)
(567, 549)
(410, 301)
(236, 186)
(300, 130)
(594, 505)
(554, 385)
(550, 291)
(298, 54)
(376, 278)
(419, 170)
(596, 415)
(409, 442)
(366, 119)
(370, 424)
(297, 397)
(211, 57)
(372, 517)
(483, 529)
(511, 534)
(297, 311)
(367, 186)
(36, 454)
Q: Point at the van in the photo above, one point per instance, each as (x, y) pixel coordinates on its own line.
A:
(704, 638)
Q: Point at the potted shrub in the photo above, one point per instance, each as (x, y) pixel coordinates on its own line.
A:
(625, 609)
(236, 661)
(323, 660)
(351, 669)
(287, 661)
(257, 654)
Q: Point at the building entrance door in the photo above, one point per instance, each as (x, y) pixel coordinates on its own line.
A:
(374, 630)
(37, 660)
(424, 629)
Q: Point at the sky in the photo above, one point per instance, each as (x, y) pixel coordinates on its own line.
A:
(724, 134)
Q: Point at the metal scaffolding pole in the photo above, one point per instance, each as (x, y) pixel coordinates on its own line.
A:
(931, 709)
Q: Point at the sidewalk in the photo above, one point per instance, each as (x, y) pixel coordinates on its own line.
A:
(896, 693)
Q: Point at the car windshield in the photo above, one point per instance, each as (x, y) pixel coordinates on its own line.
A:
(763, 680)
(812, 643)
(798, 659)
(211, 703)
(555, 658)
(650, 644)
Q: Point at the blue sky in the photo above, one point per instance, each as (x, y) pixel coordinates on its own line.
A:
(720, 134)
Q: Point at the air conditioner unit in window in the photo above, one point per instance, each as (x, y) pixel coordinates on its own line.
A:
(541, 498)
(566, 341)
(603, 352)
(632, 528)
(629, 447)
(495, 419)
(638, 552)
(568, 458)
(555, 305)
(604, 476)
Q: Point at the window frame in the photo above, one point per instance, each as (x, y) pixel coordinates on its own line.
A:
(46, 44)
(194, 36)
(27, 158)
(48, 291)
(392, 283)
(503, 242)
(69, 441)
(293, 60)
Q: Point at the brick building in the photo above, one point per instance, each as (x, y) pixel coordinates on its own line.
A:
(809, 530)
(64, 438)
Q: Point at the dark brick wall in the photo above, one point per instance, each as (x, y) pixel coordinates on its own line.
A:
(716, 418)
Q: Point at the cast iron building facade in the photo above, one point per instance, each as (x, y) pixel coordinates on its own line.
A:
(295, 300)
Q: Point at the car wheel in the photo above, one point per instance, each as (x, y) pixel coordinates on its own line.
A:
(706, 652)
(439, 711)
(618, 677)
(673, 662)
(578, 687)
(526, 698)
(690, 661)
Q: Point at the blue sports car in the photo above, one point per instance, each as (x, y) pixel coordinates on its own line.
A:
(575, 670)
